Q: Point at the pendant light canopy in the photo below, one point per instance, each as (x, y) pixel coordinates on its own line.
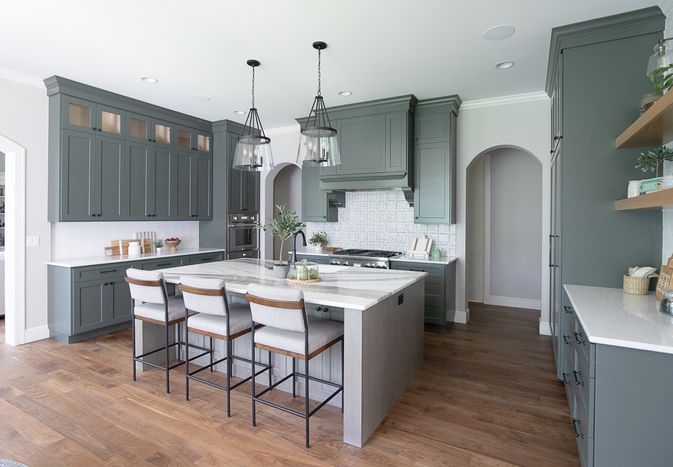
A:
(318, 141)
(253, 150)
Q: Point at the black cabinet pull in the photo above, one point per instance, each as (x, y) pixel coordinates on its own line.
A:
(163, 265)
(578, 338)
(318, 308)
(325, 310)
(93, 215)
(577, 374)
(100, 129)
(566, 339)
(108, 271)
(565, 378)
(93, 128)
(149, 139)
(576, 424)
(567, 309)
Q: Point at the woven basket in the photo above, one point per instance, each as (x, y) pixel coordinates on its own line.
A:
(636, 285)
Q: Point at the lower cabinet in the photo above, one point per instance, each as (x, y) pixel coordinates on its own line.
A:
(439, 287)
(619, 399)
(84, 302)
(319, 259)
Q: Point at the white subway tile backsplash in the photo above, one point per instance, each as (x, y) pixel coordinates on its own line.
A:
(382, 220)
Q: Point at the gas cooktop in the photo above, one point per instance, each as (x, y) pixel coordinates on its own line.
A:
(364, 258)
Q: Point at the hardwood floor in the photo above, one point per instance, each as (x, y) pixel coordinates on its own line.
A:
(486, 395)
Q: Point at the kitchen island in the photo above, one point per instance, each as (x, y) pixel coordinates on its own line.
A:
(382, 312)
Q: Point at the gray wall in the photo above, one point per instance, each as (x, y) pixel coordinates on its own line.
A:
(287, 190)
(516, 224)
(2, 163)
(475, 230)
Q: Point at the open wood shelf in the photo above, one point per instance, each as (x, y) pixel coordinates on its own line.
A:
(652, 200)
(653, 128)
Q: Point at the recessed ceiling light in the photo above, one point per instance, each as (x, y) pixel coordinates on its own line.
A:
(499, 32)
(149, 80)
(345, 93)
(239, 112)
(504, 65)
(200, 98)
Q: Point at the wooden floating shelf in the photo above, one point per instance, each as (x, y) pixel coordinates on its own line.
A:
(653, 128)
(652, 200)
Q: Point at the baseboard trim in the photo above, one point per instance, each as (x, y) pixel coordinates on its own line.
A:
(36, 334)
(545, 328)
(457, 316)
(513, 302)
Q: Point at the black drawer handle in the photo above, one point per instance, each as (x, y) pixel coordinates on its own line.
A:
(325, 310)
(578, 338)
(163, 264)
(565, 378)
(108, 271)
(577, 374)
(576, 426)
(567, 309)
(318, 308)
(566, 339)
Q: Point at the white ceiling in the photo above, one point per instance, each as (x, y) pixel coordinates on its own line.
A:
(377, 48)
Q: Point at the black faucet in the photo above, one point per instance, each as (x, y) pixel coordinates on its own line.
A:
(294, 245)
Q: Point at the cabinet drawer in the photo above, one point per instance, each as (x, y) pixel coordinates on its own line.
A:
(161, 264)
(583, 426)
(434, 312)
(100, 272)
(209, 258)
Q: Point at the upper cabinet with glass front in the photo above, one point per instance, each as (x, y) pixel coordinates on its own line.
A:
(83, 115)
(187, 139)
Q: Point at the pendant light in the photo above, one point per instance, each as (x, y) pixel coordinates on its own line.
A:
(253, 150)
(318, 140)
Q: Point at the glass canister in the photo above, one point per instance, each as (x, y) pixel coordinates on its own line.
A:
(666, 302)
(303, 271)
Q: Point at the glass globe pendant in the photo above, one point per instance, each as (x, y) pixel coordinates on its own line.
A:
(318, 143)
(253, 150)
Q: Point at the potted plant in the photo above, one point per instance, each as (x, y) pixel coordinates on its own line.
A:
(158, 246)
(318, 240)
(282, 227)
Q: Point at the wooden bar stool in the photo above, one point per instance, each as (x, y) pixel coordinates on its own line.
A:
(287, 331)
(209, 313)
(152, 304)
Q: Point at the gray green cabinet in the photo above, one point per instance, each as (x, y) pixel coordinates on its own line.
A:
(375, 142)
(114, 158)
(319, 259)
(318, 205)
(435, 160)
(87, 301)
(439, 287)
(585, 230)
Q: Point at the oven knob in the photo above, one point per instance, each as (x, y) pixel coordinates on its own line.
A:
(382, 266)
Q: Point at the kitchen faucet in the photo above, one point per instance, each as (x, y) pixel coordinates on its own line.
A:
(294, 246)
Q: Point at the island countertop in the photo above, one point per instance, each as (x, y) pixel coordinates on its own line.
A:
(612, 317)
(339, 286)
(96, 260)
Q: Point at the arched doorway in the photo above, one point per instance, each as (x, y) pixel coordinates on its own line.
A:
(15, 241)
(282, 185)
(504, 226)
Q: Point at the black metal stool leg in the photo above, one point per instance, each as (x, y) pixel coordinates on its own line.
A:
(211, 354)
(168, 382)
(306, 402)
(270, 368)
(294, 377)
(254, 392)
(186, 360)
(133, 339)
(343, 375)
(229, 369)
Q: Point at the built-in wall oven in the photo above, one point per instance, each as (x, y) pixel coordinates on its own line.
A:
(243, 236)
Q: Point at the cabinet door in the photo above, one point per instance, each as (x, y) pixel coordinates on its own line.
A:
(138, 128)
(235, 176)
(106, 190)
(250, 192)
(164, 162)
(203, 167)
(314, 201)
(362, 142)
(78, 166)
(202, 142)
(88, 307)
(120, 308)
(183, 139)
(431, 195)
(162, 133)
(110, 120)
(183, 187)
(78, 114)
(138, 174)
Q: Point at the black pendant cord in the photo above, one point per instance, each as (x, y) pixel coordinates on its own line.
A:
(253, 87)
(319, 74)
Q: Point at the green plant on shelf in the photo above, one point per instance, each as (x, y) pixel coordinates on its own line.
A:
(319, 239)
(652, 160)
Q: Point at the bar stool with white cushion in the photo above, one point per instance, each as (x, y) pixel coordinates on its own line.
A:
(208, 313)
(152, 304)
(287, 331)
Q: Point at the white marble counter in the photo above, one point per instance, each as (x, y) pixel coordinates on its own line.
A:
(96, 260)
(612, 317)
(339, 286)
(416, 259)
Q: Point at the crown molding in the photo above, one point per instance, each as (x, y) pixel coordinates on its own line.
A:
(22, 78)
(505, 100)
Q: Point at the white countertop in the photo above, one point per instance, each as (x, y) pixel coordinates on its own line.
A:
(339, 286)
(95, 260)
(612, 317)
(406, 258)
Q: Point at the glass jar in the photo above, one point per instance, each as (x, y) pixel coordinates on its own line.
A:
(303, 271)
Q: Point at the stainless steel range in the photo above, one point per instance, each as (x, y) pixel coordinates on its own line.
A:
(379, 259)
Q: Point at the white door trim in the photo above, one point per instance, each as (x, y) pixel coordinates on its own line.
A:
(15, 241)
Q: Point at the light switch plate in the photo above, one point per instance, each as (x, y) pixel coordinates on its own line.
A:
(32, 241)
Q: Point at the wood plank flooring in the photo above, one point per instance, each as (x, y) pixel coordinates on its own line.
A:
(485, 396)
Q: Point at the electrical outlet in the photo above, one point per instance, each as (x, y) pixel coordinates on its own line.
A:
(32, 241)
